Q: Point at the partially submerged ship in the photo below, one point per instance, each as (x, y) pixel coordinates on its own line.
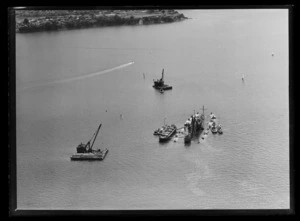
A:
(167, 133)
(194, 126)
(160, 84)
(86, 152)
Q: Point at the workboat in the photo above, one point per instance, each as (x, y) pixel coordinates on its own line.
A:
(220, 129)
(214, 129)
(188, 138)
(212, 116)
(86, 152)
(167, 132)
(160, 84)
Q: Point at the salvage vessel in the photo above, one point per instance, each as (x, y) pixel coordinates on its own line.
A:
(167, 133)
(160, 84)
(194, 126)
(86, 152)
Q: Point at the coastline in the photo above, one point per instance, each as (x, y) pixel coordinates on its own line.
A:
(55, 20)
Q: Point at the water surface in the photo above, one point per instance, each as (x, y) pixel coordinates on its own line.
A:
(70, 81)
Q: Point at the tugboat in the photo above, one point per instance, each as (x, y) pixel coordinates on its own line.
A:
(167, 133)
(160, 84)
(86, 152)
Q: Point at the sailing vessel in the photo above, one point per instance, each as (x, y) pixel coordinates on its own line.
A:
(86, 152)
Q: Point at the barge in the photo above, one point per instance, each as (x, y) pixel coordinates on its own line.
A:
(90, 156)
(86, 152)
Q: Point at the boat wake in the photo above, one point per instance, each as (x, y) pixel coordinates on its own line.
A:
(93, 74)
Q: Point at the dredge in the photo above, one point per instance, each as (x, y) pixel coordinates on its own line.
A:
(160, 84)
(86, 152)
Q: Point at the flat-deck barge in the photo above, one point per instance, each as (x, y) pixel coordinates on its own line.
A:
(90, 156)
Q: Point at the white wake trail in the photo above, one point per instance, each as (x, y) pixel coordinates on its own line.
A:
(83, 76)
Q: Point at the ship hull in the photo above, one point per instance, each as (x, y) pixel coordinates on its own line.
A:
(163, 138)
(89, 156)
(165, 87)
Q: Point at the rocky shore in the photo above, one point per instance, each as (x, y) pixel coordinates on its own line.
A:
(49, 20)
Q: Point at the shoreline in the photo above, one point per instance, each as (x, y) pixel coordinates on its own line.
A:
(29, 21)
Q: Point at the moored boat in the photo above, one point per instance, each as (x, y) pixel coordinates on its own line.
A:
(167, 132)
(220, 129)
(214, 129)
(212, 116)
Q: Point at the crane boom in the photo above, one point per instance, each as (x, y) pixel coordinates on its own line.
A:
(95, 136)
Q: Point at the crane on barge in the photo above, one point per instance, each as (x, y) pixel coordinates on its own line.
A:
(86, 152)
(160, 84)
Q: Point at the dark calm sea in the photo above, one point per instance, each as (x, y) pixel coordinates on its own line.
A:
(68, 82)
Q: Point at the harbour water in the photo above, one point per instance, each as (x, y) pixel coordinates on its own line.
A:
(68, 82)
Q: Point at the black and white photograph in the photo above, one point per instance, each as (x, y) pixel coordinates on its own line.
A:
(153, 108)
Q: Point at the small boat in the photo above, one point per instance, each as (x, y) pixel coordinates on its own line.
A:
(188, 138)
(167, 133)
(220, 129)
(212, 116)
(86, 152)
(206, 132)
(214, 129)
